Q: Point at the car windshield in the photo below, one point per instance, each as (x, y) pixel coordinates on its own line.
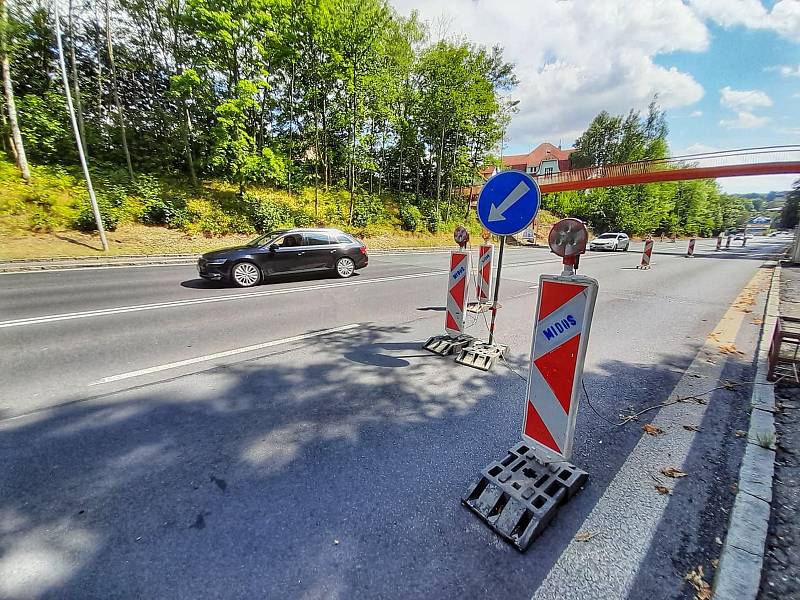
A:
(607, 236)
(263, 239)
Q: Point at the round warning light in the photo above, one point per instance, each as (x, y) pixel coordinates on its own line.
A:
(461, 236)
(568, 237)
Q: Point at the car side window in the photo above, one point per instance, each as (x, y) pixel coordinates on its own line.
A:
(317, 238)
(291, 240)
(343, 239)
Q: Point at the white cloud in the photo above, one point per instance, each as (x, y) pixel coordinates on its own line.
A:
(575, 59)
(696, 149)
(744, 120)
(695, 114)
(786, 70)
(784, 18)
(743, 100)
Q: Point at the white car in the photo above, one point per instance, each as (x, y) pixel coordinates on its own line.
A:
(610, 241)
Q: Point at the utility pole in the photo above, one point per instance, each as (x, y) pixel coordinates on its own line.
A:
(95, 209)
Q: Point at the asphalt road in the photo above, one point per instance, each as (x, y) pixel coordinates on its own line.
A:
(162, 437)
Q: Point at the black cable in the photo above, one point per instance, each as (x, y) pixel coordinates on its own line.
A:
(589, 402)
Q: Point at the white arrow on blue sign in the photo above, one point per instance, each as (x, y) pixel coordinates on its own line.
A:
(508, 202)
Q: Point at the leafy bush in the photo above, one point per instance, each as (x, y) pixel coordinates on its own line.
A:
(430, 215)
(147, 188)
(85, 219)
(265, 215)
(302, 218)
(160, 211)
(42, 221)
(410, 217)
(367, 209)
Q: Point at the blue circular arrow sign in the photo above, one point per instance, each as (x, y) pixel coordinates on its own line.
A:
(508, 202)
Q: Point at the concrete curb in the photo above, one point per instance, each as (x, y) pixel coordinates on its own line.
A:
(134, 260)
(739, 574)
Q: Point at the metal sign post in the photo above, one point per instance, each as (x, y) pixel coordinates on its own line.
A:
(520, 494)
(507, 203)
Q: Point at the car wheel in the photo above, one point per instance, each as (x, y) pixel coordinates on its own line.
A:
(625, 249)
(345, 267)
(245, 274)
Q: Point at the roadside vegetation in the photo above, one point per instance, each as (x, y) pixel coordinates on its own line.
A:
(211, 120)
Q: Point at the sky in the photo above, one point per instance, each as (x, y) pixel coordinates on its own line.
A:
(727, 72)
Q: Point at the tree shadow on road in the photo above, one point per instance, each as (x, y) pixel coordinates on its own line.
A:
(316, 473)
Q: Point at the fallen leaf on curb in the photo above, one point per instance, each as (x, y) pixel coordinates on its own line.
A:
(729, 385)
(691, 428)
(718, 541)
(662, 489)
(715, 562)
(757, 321)
(695, 375)
(729, 349)
(585, 536)
(672, 472)
(652, 429)
(735, 488)
(701, 587)
(739, 433)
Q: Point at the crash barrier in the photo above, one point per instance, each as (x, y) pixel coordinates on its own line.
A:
(457, 290)
(690, 249)
(647, 254)
(783, 351)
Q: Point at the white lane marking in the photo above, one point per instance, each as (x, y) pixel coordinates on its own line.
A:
(206, 300)
(225, 354)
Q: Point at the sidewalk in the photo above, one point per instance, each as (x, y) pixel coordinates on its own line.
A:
(781, 574)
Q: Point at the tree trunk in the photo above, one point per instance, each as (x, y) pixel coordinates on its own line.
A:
(98, 49)
(76, 86)
(439, 173)
(187, 139)
(353, 150)
(291, 129)
(326, 161)
(11, 107)
(115, 91)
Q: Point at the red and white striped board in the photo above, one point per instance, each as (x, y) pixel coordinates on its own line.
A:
(690, 249)
(485, 253)
(457, 290)
(560, 336)
(647, 253)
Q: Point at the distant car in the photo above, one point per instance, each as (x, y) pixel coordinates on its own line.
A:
(610, 241)
(282, 252)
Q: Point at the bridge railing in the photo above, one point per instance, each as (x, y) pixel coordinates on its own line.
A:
(708, 160)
